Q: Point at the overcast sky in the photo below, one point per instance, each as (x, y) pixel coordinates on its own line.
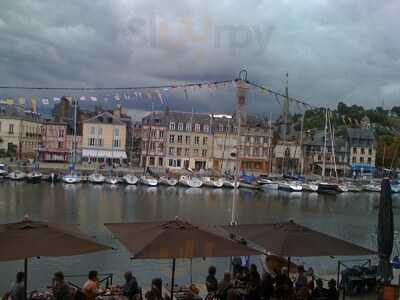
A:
(345, 50)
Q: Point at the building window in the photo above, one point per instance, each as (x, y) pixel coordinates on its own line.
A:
(369, 160)
(362, 151)
(361, 160)
(204, 152)
(11, 128)
(100, 132)
(196, 140)
(93, 131)
(255, 152)
(221, 127)
(178, 163)
(152, 146)
(353, 160)
(187, 152)
(187, 140)
(171, 126)
(248, 139)
(152, 161)
(154, 134)
(60, 145)
(370, 151)
(172, 139)
(206, 128)
(204, 140)
(180, 126)
(178, 151)
(116, 144)
(248, 152)
(171, 163)
(179, 139)
(92, 141)
(354, 150)
(160, 161)
(171, 150)
(195, 152)
(257, 140)
(188, 126)
(197, 127)
(161, 134)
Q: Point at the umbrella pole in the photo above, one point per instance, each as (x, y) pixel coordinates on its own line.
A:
(173, 279)
(191, 270)
(26, 278)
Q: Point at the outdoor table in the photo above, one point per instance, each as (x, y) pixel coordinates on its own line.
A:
(37, 295)
(182, 292)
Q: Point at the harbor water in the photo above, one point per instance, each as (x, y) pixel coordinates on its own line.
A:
(350, 216)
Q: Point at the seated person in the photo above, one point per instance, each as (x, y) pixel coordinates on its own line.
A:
(224, 286)
(319, 292)
(267, 286)
(211, 281)
(130, 289)
(61, 290)
(253, 284)
(284, 285)
(18, 289)
(91, 286)
(332, 293)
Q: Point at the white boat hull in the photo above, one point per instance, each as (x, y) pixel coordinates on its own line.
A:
(231, 184)
(71, 179)
(17, 176)
(96, 179)
(168, 181)
(130, 179)
(290, 187)
(273, 186)
(112, 180)
(214, 183)
(190, 182)
(149, 181)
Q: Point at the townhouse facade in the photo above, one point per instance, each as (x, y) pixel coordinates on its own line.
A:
(20, 132)
(361, 149)
(104, 139)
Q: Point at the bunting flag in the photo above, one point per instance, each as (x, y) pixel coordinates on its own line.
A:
(21, 101)
(93, 98)
(160, 96)
(45, 101)
(264, 92)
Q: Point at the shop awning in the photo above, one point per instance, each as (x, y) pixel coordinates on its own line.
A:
(104, 153)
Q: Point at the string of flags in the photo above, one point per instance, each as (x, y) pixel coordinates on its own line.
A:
(153, 93)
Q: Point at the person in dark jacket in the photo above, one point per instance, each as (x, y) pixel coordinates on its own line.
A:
(319, 292)
(18, 289)
(267, 286)
(211, 281)
(130, 289)
(61, 290)
(332, 292)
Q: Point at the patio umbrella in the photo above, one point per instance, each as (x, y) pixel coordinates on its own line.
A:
(385, 233)
(176, 239)
(291, 239)
(27, 239)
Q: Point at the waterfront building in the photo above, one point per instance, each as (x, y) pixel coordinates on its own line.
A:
(104, 139)
(225, 141)
(256, 146)
(153, 137)
(53, 146)
(313, 147)
(361, 147)
(20, 132)
(176, 140)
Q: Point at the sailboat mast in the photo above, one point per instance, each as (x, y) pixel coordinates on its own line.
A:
(301, 147)
(324, 151)
(269, 143)
(74, 146)
(149, 138)
(332, 130)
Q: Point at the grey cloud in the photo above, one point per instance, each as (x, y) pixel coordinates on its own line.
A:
(332, 50)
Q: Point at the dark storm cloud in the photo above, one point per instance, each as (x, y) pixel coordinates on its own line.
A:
(332, 50)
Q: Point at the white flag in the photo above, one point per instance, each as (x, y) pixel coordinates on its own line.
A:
(93, 98)
(160, 96)
(45, 101)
